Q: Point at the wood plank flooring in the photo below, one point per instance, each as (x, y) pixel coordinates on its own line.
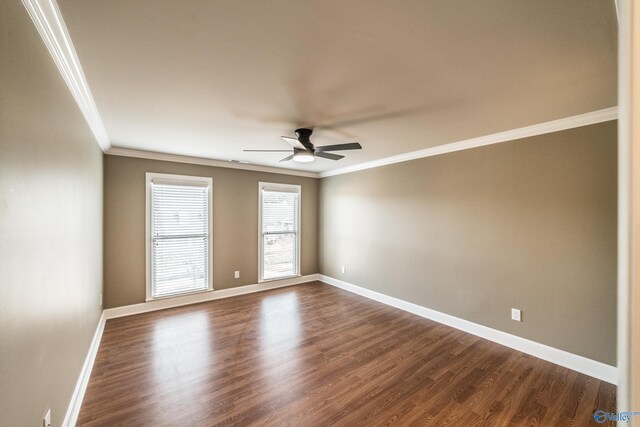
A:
(314, 355)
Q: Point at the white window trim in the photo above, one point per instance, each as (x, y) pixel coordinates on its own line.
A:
(291, 188)
(184, 180)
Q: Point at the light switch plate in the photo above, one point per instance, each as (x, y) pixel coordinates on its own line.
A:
(516, 315)
(236, 274)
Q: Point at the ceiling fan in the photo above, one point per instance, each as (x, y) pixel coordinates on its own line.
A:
(304, 151)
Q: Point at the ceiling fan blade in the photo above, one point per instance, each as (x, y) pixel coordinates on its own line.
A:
(328, 155)
(287, 158)
(267, 151)
(294, 142)
(339, 147)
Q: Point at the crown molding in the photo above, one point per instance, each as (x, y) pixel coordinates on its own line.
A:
(566, 123)
(153, 155)
(46, 16)
(586, 119)
(48, 20)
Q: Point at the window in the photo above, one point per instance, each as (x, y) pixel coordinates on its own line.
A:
(279, 231)
(178, 235)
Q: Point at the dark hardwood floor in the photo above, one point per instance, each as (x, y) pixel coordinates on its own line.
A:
(314, 355)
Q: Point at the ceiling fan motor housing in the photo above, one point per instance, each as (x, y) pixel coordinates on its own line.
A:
(300, 150)
(304, 135)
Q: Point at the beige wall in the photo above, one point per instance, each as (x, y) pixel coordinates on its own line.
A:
(235, 224)
(50, 229)
(529, 224)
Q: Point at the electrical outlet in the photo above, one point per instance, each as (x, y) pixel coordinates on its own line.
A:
(100, 300)
(344, 269)
(516, 315)
(236, 274)
(46, 421)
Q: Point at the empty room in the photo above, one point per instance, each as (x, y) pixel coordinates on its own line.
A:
(318, 213)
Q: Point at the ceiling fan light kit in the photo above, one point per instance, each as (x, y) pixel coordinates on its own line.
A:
(303, 156)
(305, 152)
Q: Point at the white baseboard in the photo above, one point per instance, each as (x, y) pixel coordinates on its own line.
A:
(83, 380)
(572, 361)
(128, 310)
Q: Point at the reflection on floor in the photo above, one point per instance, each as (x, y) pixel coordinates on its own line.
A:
(315, 355)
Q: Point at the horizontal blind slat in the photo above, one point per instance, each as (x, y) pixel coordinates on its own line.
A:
(180, 238)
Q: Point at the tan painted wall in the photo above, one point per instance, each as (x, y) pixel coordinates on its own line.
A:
(50, 229)
(529, 224)
(235, 224)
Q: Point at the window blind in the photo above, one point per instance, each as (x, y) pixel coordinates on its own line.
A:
(179, 238)
(280, 224)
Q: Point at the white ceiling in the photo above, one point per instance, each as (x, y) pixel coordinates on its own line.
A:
(210, 78)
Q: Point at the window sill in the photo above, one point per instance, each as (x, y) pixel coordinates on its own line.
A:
(279, 278)
(181, 294)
